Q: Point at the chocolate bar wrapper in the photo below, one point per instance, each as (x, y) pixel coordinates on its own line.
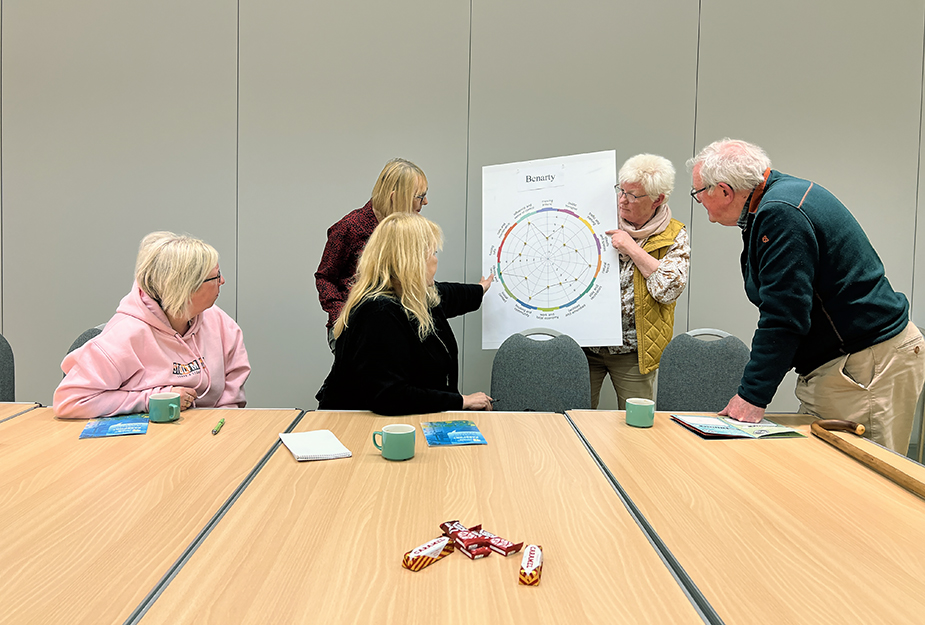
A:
(451, 527)
(468, 538)
(531, 566)
(501, 545)
(476, 553)
(428, 553)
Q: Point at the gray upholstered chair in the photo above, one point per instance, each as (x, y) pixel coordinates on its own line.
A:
(700, 375)
(532, 374)
(7, 372)
(85, 336)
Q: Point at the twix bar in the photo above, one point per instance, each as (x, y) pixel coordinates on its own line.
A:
(428, 553)
(531, 566)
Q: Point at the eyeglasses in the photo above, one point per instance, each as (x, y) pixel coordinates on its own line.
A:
(696, 192)
(421, 197)
(218, 277)
(629, 196)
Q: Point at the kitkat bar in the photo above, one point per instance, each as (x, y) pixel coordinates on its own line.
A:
(451, 527)
(531, 566)
(467, 537)
(501, 545)
(476, 552)
(428, 553)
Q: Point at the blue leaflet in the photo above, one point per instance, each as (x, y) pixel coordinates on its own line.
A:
(441, 433)
(115, 426)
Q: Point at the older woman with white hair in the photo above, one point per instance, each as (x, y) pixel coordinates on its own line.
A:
(654, 263)
(166, 335)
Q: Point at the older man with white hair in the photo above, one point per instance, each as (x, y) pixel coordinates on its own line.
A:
(826, 307)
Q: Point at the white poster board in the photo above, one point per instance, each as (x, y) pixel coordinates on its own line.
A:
(543, 225)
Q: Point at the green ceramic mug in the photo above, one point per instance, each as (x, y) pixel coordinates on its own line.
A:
(397, 441)
(640, 413)
(164, 407)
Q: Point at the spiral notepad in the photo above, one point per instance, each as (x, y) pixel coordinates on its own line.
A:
(314, 445)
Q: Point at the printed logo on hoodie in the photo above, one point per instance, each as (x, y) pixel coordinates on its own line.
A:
(189, 368)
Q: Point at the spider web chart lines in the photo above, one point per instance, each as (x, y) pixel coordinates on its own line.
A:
(549, 259)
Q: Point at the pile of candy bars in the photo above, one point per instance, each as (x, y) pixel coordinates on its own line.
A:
(475, 543)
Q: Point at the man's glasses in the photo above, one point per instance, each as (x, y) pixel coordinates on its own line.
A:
(629, 196)
(696, 192)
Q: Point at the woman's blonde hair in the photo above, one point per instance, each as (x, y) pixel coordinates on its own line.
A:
(394, 264)
(170, 267)
(398, 183)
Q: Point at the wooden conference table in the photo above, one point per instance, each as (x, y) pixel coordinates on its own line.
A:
(8, 410)
(322, 542)
(773, 531)
(89, 527)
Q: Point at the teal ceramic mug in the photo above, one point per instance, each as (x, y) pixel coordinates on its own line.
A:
(164, 407)
(397, 441)
(640, 413)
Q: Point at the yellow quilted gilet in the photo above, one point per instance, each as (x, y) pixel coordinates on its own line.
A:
(654, 321)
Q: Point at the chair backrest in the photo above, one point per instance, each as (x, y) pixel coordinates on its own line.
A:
(547, 332)
(7, 372)
(708, 332)
(85, 336)
(540, 375)
(700, 375)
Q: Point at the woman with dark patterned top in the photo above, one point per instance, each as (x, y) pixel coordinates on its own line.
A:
(400, 188)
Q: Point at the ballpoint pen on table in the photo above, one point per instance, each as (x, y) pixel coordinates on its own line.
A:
(218, 427)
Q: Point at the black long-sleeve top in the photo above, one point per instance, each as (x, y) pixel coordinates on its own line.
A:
(380, 364)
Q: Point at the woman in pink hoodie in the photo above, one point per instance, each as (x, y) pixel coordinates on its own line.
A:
(166, 335)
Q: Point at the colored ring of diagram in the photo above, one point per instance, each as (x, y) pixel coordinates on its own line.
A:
(549, 259)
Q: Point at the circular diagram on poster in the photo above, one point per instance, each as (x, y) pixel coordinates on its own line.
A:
(549, 259)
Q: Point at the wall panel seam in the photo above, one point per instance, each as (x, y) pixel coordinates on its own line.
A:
(918, 178)
(462, 352)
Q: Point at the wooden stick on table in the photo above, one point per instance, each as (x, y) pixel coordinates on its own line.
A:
(823, 428)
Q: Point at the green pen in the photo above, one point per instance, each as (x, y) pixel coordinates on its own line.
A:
(221, 422)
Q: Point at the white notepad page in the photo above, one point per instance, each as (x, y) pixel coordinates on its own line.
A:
(314, 445)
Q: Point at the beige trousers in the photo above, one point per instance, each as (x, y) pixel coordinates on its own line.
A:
(877, 387)
(624, 375)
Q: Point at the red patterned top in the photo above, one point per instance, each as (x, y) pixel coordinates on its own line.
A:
(346, 240)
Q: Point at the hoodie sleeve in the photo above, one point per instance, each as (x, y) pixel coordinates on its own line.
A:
(91, 387)
(237, 367)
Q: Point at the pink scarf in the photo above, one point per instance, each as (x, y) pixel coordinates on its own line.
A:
(655, 225)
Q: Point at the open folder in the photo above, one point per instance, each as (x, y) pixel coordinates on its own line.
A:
(718, 427)
(314, 445)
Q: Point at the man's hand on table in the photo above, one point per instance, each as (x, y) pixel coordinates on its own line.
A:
(741, 410)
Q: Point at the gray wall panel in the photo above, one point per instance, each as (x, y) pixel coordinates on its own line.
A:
(329, 93)
(548, 82)
(118, 119)
(832, 95)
